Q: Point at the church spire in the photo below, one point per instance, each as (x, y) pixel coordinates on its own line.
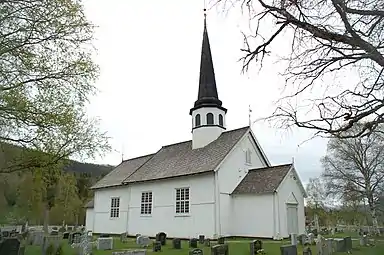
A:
(207, 96)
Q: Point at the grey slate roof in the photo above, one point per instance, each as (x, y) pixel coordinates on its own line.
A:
(90, 204)
(262, 180)
(122, 171)
(180, 159)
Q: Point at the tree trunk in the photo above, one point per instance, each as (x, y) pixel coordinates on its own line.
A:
(46, 218)
(372, 210)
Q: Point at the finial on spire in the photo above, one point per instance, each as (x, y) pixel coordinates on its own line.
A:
(249, 115)
(205, 10)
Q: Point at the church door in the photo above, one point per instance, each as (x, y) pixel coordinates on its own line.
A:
(292, 219)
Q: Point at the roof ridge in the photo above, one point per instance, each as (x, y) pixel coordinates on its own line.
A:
(139, 157)
(269, 167)
(227, 131)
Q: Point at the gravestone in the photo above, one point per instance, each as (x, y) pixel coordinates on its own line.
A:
(288, 250)
(307, 251)
(161, 237)
(256, 246)
(315, 232)
(156, 246)
(74, 237)
(10, 246)
(54, 233)
(124, 237)
(220, 249)
(38, 238)
(65, 235)
(137, 235)
(329, 246)
(176, 243)
(293, 239)
(348, 243)
(5, 234)
(320, 242)
(193, 243)
(207, 242)
(340, 245)
(221, 240)
(364, 240)
(201, 239)
(310, 238)
(196, 251)
(51, 240)
(143, 241)
(105, 243)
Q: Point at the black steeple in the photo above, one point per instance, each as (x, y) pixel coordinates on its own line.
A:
(207, 96)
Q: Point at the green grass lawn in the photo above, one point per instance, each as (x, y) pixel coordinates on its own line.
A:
(236, 247)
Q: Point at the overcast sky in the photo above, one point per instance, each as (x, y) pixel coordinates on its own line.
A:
(149, 55)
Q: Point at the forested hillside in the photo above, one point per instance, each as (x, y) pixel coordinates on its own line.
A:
(57, 191)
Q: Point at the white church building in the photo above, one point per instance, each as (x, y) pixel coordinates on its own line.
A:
(220, 183)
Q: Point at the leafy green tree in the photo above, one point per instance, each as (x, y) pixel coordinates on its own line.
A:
(67, 201)
(46, 79)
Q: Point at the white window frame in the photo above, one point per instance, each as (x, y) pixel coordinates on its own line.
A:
(146, 201)
(115, 208)
(182, 201)
(248, 157)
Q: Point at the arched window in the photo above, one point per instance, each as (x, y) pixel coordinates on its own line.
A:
(209, 119)
(197, 120)
(221, 120)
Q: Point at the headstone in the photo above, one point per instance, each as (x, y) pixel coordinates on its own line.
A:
(201, 239)
(220, 249)
(307, 251)
(310, 238)
(156, 246)
(221, 240)
(38, 238)
(207, 242)
(348, 243)
(53, 241)
(364, 240)
(193, 243)
(54, 233)
(137, 235)
(74, 237)
(315, 232)
(124, 237)
(105, 243)
(65, 235)
(176, 243)
(196, 251)
(329, 246)
(294, 239)
(161, 237)
(288, 250)
(256, 246)
(10, 246)
(340, 245)
(143, 241)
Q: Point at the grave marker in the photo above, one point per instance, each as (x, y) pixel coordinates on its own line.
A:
(196, 251)
(156, 246)
(288, 250)
(176, 243)
(201, 239)
(221, 240)
(193, 243)
(207, 242)
(220, 249)
(256, 246)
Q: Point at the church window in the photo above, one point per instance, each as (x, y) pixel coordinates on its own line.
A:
(209, 119)
(248, 158)
(146, 203)
(182, 200)
(221, 120)
(115, 207)
(197, 120)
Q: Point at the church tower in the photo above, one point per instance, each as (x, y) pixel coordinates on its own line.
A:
(208, 115)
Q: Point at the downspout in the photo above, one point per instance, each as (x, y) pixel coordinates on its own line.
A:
(278, 214)
(128, 202)
(214, 205)
(274, 214)
(218, 200)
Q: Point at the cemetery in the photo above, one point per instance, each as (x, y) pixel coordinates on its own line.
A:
(77, 241)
